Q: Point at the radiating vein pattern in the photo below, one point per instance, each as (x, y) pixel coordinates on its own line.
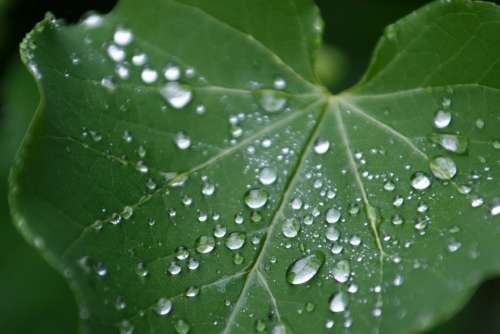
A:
(188, 175)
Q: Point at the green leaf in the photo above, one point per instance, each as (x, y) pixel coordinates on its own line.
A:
(26, 308)
(245, 197)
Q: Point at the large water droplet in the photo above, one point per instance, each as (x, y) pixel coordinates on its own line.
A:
(420, 181)
(270, 100)
(178, 96)
(256, 198)
(443, 168)
(452, 143)
(304, 269)
(339, 302)
(341, 271)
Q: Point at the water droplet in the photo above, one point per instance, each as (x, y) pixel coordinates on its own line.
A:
(397, 219)
(290, 228)
(454, 246)
(398, 280)
(442, 119)
(148, 75)
(115, 53)
(141, 270)
(355, 240)
(235, 240)
(127, 212)
(339, 302)
(172, 72)
(332, 216)
(496, 144)
(92, 20)
(178, 96)
(126, 327)
(420, 181)
(192, 291)
(208, 189)
(480, 123)
(304, 269)
(341, 271)
(182, 327)
(205, 244)
(139, 59)
(389, 186)
(123, 36)
(321, 146)
(452, 143)
(182, 140)
(256, 198)
(268, 176)
(270, 100)
(220, 231)
(181, 253)
(476, 201)
(332, 233)
(495, 206)
(163, 306)
(279, 83)
(443, 168)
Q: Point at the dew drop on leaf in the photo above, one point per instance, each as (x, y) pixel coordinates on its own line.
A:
(495, 206)
(172, 72)
(452, 143)
(304, 269)
(205, 244)
(443, 168)
(321, 146)
(182, 327)
(163, 306)
(270, 100)
(420, 181)
(268, 176)
(148, 75)
(123, 36)
(182, 140)
(256, 198)
(177, 95)
(235, 240)
(339, 302)
(332, 216)
(442, 119)
(341, 271)
(290, 228)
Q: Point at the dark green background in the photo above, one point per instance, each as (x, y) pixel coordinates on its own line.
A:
(35, 299)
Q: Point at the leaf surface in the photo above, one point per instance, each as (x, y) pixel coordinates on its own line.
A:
(188, 173)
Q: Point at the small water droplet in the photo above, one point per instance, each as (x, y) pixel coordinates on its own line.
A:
(235, 240)
(178, 96)
(172, 72)
(270, 100)
(163, 306)
(452, 143)
(442, 119)
(290, 228)
(123, 36)
(495, 206)
(332, 233)
(304, 269)
(420, 181)
(339, 302)
(182, 140)
(332, 216)
(256, 198)
(182, 326)
(279, 83)
(205, 244)
(148, 75)
(341, 271)
(268, 176)
(321, 146)
(443, 168)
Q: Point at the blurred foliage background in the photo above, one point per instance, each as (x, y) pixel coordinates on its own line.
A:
(34, 299)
